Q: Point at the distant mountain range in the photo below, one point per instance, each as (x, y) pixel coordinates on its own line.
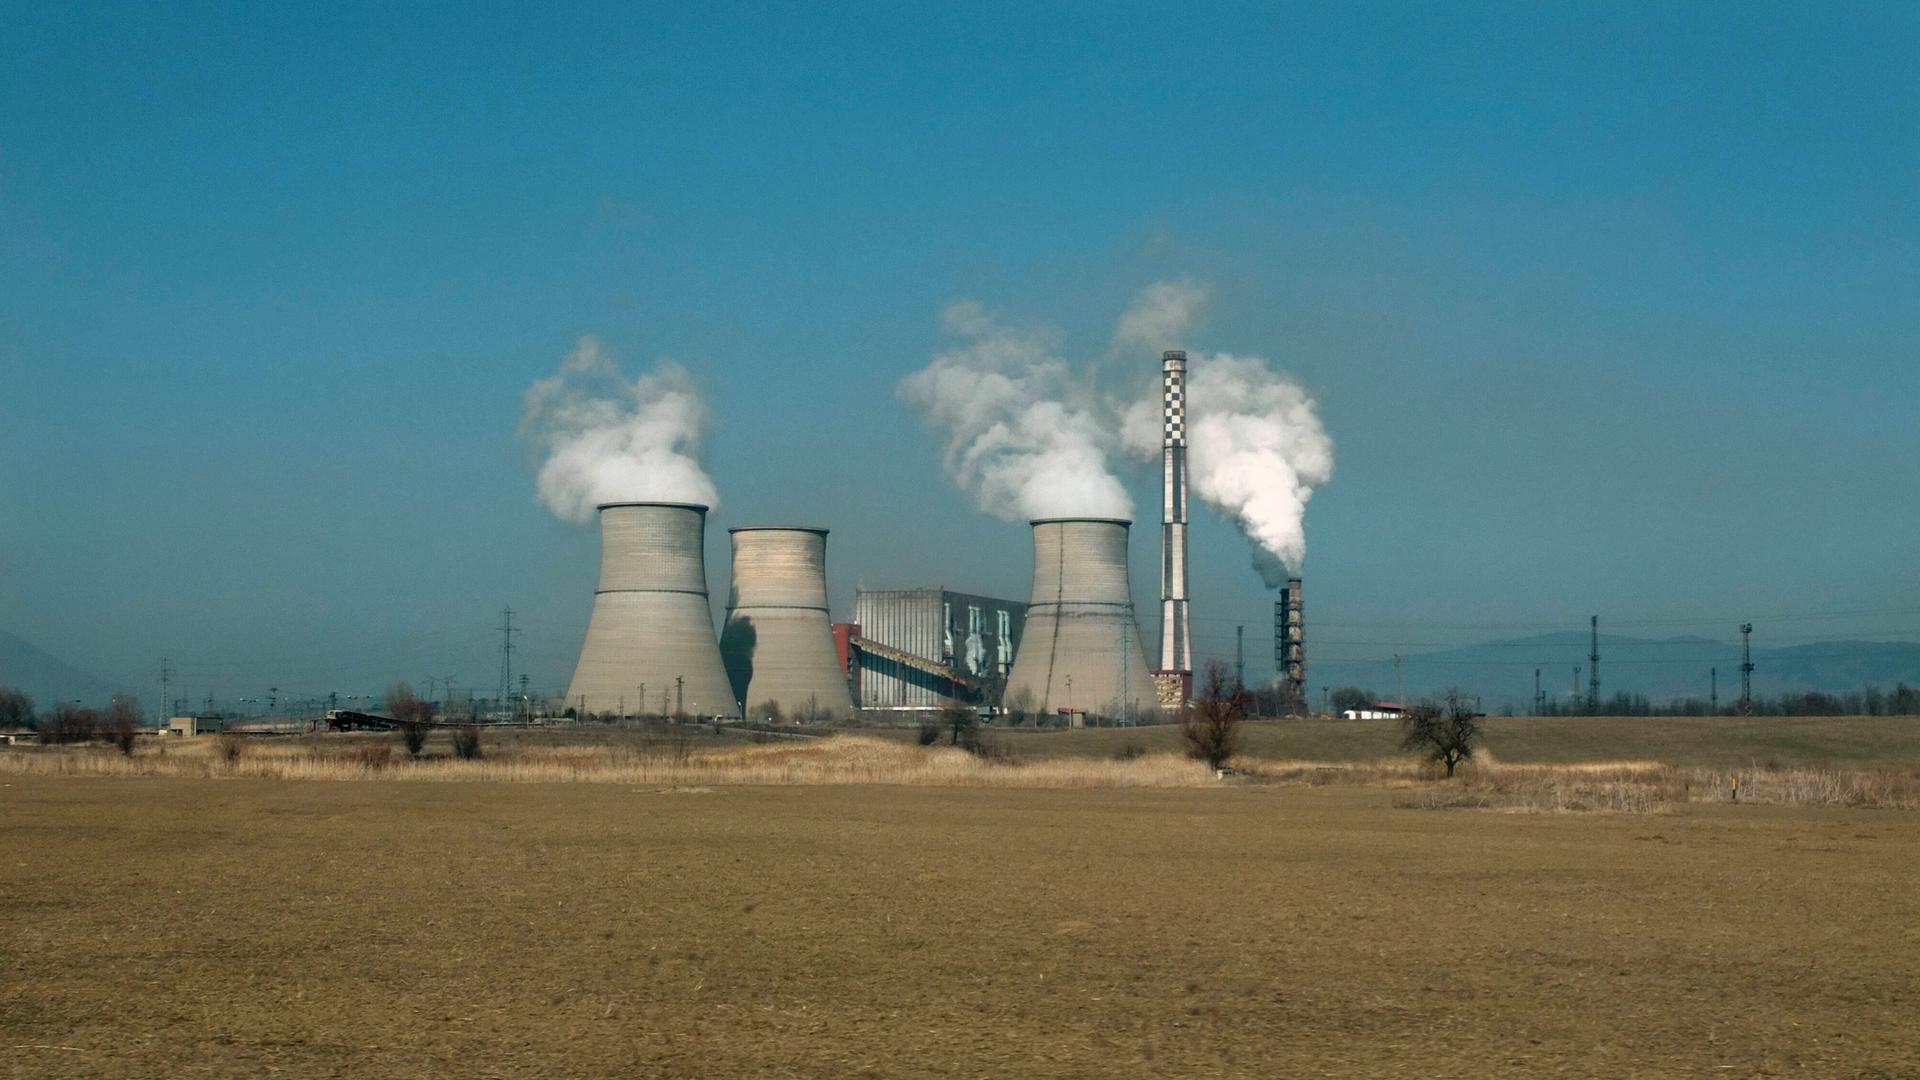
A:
(1501, 672)
(47, 678)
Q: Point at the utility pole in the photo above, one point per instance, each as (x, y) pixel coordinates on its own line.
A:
(506, 656)
(1539, 704)
(1399, 684)
(1575, 694)
(643, 700)
(1746, 669)
(1593, 669)
(1713, 693)
(1239, 657)
(679, 695)
(524, 702)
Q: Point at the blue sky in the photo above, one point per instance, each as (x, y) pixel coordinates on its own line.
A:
(1608, 309)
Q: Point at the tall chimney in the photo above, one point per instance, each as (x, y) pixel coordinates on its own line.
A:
(652, 629)
(1293, 648)
(778, 642)
(1176, 647)
(1081, 648)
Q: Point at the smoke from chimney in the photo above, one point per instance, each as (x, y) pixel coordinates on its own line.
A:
(1024, 435)
(603, 438)
(1255, 446)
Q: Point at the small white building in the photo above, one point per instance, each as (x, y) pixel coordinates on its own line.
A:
(194, 725)
(1376, 710)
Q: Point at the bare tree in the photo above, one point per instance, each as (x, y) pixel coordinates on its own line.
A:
(16, 708)
(1445, 732)
(961, 722)
(123, 722)
(411, 714)
(1211, 726)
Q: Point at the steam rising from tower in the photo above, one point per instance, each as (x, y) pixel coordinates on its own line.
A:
(651, 632)
(1025, 435)
(603, 438)
(1080, 649)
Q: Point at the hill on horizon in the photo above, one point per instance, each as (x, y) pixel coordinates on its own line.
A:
(1661, 669)
(45, 677)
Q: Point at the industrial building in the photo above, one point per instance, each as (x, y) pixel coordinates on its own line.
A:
(1080, 650)
(650, 645)
(920, 648)
(778, 644)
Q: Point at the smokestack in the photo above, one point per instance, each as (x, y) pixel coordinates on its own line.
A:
(1081, 649)
(652, 627)
(1292, 646)
(1176, 648)
(778, 642)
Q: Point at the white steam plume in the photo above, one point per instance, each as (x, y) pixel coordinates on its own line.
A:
(1255, 446)
(603, 438)
(1024, 436)
(1159, 318)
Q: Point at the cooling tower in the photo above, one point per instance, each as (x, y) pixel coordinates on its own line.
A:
(652, 631)
(1081, 648)
(778, 642)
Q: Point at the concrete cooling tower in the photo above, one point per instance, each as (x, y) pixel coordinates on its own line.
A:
(652, 630)
(778, 641)
(1081, 648)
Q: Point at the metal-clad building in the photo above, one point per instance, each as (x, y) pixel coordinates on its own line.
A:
(974, 637)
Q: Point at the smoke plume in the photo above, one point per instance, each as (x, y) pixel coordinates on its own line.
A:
(603, 438)
(1255, 446)
(1159, 318)
(1024, 435)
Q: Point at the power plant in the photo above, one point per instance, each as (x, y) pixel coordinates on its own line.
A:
(1074, 649)
(778, 642)
(650, 646)
(1080, 651)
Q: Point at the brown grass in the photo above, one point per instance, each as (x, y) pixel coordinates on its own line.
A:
(1487, 783)
(243, 927)
(842, 759)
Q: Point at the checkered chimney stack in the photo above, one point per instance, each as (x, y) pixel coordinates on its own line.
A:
(1176, 648)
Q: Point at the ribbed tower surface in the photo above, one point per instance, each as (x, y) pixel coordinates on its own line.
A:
(652, 626)
(778, 642)
(1081, 647)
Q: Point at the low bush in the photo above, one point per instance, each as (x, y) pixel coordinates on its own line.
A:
(466, 742)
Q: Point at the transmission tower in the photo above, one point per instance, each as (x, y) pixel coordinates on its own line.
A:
(506, 657)
(166, 676)
(1593, 667)
(1239, 657)
(1746, 669)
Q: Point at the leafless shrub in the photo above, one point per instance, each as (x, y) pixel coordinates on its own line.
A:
(231, 747)
(930, 733)
(466, 742)
(372, 757)
(16, 708)
(1129, 751)
(1444, 734)
(1211, 727)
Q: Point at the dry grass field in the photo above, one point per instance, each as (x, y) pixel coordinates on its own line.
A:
(251, 927)
(647, 906)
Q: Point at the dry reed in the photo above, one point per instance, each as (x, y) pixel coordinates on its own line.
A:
(1485, 783)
